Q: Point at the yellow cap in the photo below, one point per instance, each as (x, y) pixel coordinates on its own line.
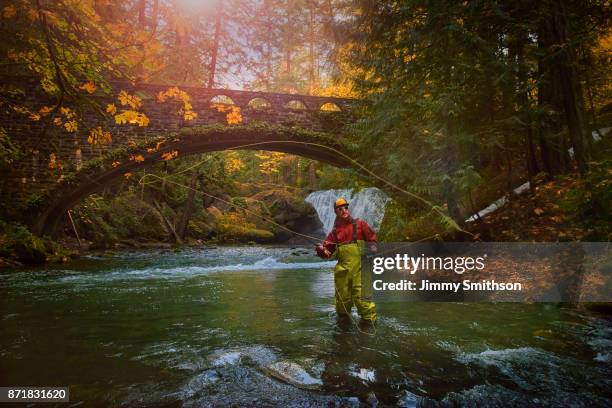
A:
(340, 202)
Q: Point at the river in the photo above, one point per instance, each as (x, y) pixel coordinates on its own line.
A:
(208, 327)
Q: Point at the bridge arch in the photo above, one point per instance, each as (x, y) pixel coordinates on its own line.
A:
(98, 173)
(260, 104)
(296, 105)
(222, 99)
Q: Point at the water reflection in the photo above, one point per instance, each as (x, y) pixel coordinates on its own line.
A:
(251, 326)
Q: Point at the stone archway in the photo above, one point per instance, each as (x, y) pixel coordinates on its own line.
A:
(98, 173)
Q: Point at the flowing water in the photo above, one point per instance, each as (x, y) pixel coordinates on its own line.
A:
(255, 326)
(368, 204)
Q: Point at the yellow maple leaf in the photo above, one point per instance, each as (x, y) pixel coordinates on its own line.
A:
(169, 155)
(57, 121)
(111, 108)
(132, 117)
(132, 100)
(115, 164)
(88, 87)
(71, 126)
(34, 117)
(234, 117)
(45, 110)
(190, 115)
(98, 136)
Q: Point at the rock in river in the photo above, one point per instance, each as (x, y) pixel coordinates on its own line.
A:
(293, 374)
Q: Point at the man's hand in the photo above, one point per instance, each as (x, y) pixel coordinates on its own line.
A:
(322, 252)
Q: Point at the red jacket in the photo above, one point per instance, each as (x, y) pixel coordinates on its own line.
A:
(344, 231)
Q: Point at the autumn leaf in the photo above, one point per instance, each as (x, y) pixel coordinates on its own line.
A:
(71, 126)
(190, 115)
(88, 87)
(219, 107)
(137, 158)
(98, 136)
(111, 108)
(115, 164)
(127, 175)
(234, 163)
(133, 118)
(34, 117)
(52, 161)
(131, 143)
(538, 211)
(20, 109)
(234, 117)
(169, 155)
(126, 99)
(9, 11)
(57, 121)
(45, 110)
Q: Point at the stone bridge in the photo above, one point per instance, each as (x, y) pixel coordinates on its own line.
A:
(308, 126)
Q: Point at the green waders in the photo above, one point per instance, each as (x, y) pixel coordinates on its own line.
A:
(347, 279)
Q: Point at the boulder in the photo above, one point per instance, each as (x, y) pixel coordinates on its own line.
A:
(291, 211)
(214, 212)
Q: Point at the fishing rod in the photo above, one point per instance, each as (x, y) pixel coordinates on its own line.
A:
(266, 219)
(414, 196)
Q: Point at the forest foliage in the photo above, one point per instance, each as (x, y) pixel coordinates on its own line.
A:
(457, 100)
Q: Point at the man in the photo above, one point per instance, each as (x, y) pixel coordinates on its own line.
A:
(347, 240)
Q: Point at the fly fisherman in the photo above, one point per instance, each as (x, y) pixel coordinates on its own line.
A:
(347, 240)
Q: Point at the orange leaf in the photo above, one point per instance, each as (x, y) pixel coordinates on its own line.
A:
(88, 87)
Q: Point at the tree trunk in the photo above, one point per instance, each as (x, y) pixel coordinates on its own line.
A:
(213, 59)
(565, 94)
(311, 55)
(166, 223)
(312, 176)
(525, 109)
(550, 122)
(188, 207)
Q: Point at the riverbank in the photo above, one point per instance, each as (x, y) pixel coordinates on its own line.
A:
(565, 209)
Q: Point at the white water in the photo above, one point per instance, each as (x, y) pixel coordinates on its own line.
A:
(368, 204)
(186, 272)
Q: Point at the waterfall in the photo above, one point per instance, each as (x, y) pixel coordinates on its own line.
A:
(368, 204)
